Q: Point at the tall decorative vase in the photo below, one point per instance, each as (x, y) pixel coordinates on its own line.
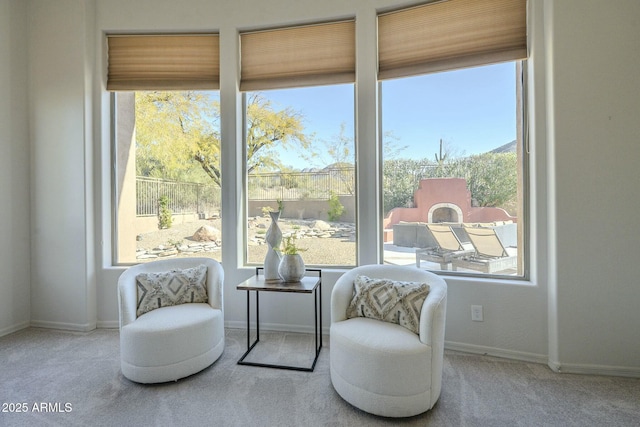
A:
(273, 239)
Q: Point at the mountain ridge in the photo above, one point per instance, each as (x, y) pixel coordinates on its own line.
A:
(509, 147)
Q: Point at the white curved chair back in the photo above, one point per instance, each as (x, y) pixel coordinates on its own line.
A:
(373, 363)
(171, 342)
(343, 289)
(127, 291)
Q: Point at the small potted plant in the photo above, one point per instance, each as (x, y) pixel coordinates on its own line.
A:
(291, 267)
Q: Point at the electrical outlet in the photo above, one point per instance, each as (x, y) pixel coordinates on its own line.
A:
(476, 313)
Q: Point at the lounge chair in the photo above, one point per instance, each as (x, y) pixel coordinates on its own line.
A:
(490, 254)
(448, 247)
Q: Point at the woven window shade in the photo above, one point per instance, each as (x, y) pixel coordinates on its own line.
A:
(451, 34)
(298, 56)
(163, 62)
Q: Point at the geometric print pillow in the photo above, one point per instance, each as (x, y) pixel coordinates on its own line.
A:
(388, 300)
(172, 287)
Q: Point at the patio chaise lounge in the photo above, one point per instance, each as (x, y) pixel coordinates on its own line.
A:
(449, 247)
(490, 254)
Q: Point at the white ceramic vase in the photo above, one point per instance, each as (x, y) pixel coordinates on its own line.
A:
(291, 268)
(273, 237)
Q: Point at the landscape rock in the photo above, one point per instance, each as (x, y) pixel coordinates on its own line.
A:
(171, 243)
(321, 225)
(206, 233)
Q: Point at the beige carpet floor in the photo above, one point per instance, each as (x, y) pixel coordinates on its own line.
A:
(74, 379)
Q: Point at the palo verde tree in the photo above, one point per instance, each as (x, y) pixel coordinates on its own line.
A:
(170, 127)
(177, 130)
(268, 128)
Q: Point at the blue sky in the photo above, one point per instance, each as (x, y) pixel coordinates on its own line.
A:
(471, 110)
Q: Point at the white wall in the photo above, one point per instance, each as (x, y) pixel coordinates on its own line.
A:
(515, 314)
(584, 99)
(14, 169)
(595, 138)
(60, 103)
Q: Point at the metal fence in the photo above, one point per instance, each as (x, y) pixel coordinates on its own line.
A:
(189, 197)
(302, 185)
(184, 197)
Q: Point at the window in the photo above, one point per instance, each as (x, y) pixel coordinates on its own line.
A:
(453, 158)
(452, 170)
(300, 151)
(166, 147)
(453, 161)
(300, 161)
(167, 175)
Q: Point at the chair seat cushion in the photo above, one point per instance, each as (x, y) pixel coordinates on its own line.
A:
(171, 335)
(362, 346)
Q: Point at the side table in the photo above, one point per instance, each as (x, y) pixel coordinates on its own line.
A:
(307, 285)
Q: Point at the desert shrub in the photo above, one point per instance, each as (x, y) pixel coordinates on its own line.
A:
(164, 213)
(336, 209)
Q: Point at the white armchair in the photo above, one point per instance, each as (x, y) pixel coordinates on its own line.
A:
(169, 343)
(384, 368)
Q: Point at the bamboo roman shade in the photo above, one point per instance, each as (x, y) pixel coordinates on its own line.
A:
(308, 55)
(163, 62)
(451, 34)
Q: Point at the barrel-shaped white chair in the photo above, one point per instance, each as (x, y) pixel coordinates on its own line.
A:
(384, 368)
(173, 342)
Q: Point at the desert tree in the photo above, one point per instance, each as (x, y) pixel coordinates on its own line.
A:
(176, 130)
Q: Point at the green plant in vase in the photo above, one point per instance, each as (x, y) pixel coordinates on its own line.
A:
(289, 246)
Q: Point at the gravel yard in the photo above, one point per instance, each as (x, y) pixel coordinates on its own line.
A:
(334, 246)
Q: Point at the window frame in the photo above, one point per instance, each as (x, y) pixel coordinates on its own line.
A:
(241, 207)
(114, 171)
(524, 178)
(244, 261)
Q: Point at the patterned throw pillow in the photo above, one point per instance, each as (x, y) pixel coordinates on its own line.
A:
(389, 301)
(172, 287)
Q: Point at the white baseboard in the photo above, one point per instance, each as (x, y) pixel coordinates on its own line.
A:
(233, 324)
(572, 368)
(108, 324)
(587, 369)
(568, 368)
(278, 327)
(497, 352)
(13, 328)
(78, 327)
